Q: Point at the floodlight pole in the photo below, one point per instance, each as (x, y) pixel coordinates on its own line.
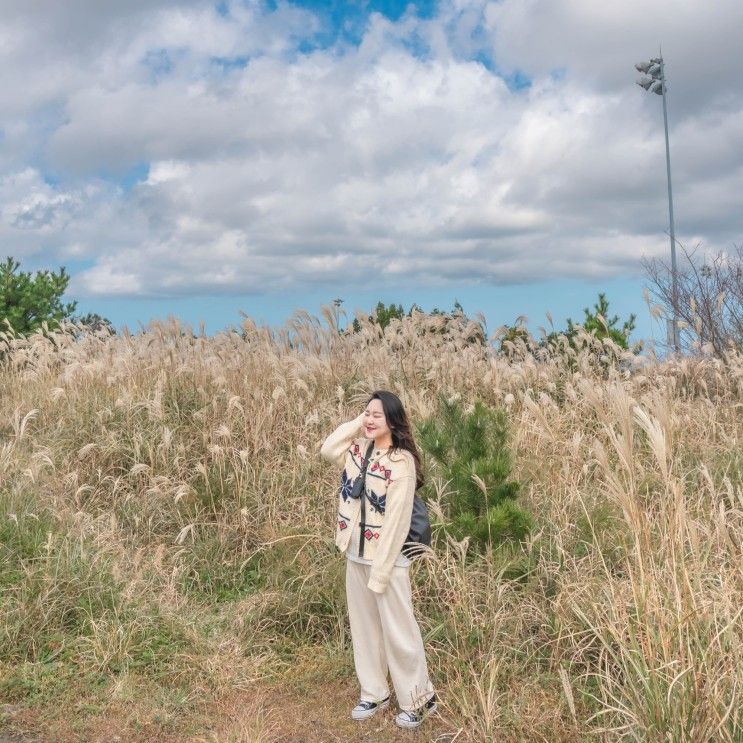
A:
(674, 284)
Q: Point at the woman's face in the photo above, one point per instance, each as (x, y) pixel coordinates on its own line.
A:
(375, 424)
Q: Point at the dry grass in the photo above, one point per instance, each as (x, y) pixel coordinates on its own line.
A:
(165, 527)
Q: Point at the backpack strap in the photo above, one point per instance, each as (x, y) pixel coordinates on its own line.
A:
(362, 523)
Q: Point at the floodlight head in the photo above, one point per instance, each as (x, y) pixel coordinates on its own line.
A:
(643, 66)
(654, 71)
(656, 87)
(645, 82)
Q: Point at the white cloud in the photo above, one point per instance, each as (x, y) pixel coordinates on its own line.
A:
(402, 159)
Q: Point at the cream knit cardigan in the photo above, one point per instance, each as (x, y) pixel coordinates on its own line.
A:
(390, 489)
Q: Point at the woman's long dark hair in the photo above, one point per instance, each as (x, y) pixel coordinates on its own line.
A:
(399, 425)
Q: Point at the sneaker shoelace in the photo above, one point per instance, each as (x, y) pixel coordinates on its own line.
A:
(418, 714)
(370, 705)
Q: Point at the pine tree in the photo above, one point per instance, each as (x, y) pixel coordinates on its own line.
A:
(456, 320)
(95, 322)
(472, 451)
(599, 323)
(27, 301)
(382, 315)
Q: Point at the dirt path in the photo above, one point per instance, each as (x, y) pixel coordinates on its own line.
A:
(264, 715)
(8, 713)
(323, 716)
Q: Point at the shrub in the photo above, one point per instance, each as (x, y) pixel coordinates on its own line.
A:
(27, 302)
(471, 448)
(451, 323)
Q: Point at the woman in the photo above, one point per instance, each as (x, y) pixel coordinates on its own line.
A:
(378, 446)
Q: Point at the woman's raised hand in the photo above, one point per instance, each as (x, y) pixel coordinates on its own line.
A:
(360, 421)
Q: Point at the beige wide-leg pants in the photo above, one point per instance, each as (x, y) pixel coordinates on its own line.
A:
(386, 636)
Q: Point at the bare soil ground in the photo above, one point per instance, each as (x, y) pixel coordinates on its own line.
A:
(320, 715)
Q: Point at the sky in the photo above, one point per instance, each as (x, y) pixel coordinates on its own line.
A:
(201, 158)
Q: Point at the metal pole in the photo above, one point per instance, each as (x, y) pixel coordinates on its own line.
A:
(674, 288)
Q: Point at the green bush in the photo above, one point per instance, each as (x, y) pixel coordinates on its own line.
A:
(27, 302)
(471, 449)
(453, 322)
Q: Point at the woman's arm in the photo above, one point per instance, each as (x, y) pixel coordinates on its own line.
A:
(397, 513)
(335, 446)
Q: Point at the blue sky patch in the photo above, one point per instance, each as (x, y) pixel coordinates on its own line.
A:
(516, 81)
(132, 176)
(346, 21)
(228, 64)
(563, 298)
(158, 63)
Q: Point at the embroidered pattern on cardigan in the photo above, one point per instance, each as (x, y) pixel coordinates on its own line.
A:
(377, 502)
(383, 472)
(346, 486)
(342, 521)
(375, 470)
(359, 461)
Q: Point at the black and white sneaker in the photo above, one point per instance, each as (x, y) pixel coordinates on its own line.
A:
(412, 719)
(365, 710)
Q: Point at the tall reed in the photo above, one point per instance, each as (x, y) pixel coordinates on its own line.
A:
(166, 529)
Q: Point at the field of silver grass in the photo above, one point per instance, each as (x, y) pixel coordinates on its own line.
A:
(166, 531)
